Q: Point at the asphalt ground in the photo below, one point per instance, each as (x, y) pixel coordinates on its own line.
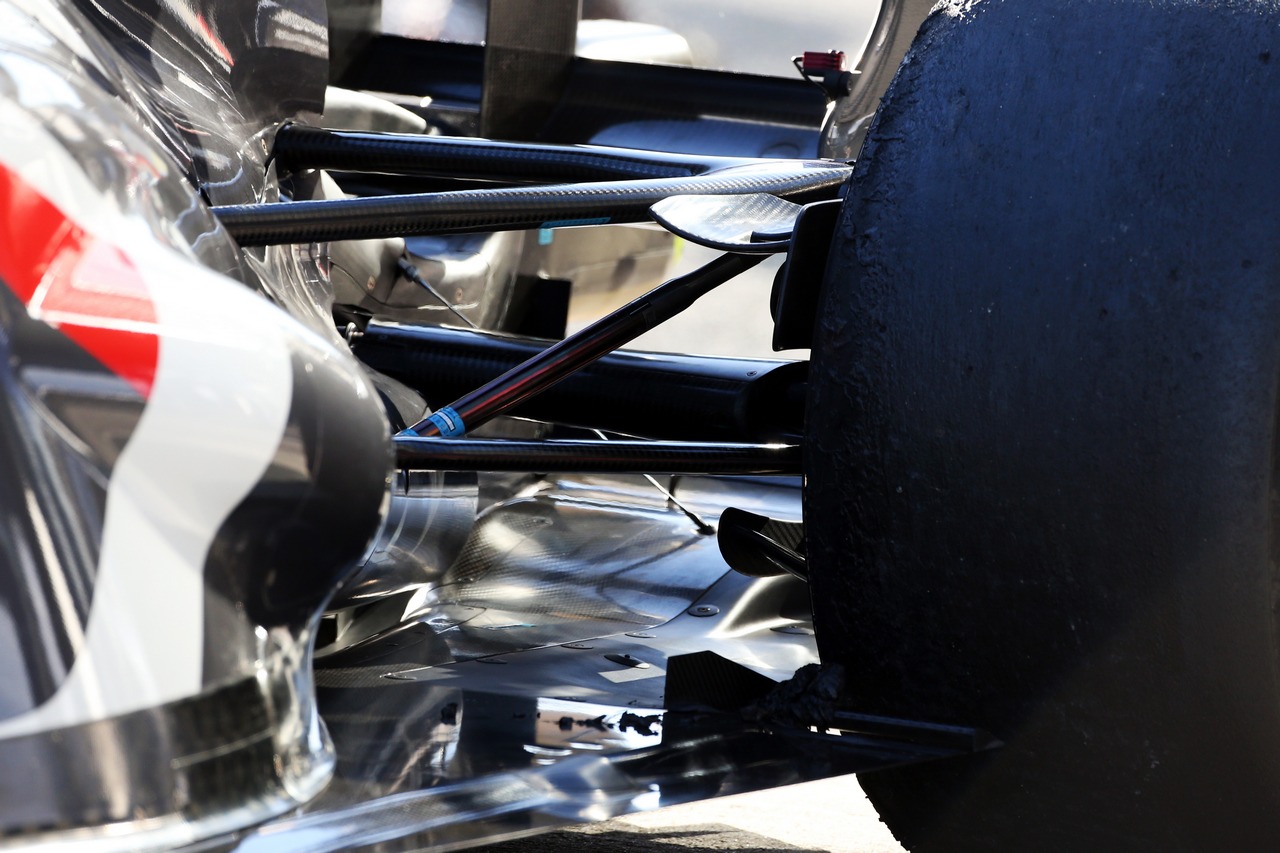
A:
(833, 815)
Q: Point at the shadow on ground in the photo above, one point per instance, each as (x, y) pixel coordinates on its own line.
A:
(608, 838)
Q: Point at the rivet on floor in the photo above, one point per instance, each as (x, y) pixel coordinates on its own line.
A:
(627, 660)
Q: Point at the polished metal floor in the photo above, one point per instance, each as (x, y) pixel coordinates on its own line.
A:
(527, 688)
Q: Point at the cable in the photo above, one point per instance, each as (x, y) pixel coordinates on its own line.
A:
(411, 272)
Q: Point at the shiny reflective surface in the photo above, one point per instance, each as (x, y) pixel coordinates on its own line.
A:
(185, 471)
(55, 402)
(545, 569)
(429, 519)
(168, 106)
(214, 80)
(528, 688)
(56, 66)
(511, 682)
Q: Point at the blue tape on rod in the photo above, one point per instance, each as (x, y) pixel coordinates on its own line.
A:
(545, 236)
(448, 422)
(570, 223)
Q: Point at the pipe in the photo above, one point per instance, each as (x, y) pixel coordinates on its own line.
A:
(615, 457)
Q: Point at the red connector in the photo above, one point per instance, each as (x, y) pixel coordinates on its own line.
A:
(820, 62)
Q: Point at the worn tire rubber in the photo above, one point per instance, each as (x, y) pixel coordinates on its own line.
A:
(1041, 493)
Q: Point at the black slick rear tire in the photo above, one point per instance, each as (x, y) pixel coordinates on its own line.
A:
(1042, 486)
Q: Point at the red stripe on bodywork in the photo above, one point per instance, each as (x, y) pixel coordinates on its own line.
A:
(77, 283)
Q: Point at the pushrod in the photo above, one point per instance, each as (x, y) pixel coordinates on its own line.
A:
(598, 339)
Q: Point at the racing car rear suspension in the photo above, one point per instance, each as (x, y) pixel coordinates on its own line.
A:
(407, 154)
(655, 395)
(601, 337)
(518, 208)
